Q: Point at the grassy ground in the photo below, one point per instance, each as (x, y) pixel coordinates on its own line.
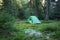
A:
(42, 26)
(52, 27)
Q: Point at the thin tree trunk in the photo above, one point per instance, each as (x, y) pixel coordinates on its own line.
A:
(37, 7)
(57, 12)
(47, 9)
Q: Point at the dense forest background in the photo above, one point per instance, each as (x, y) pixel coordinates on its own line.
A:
(43, 9)
(13, 14)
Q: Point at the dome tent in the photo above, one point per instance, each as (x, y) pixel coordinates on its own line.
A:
(33, 20)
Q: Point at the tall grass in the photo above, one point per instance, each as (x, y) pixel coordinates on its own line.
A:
(46, 28)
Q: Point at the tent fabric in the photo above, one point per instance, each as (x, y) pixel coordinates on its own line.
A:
(33, 20)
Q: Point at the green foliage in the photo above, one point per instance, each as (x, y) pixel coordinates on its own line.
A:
(56, 35)
(11, 7)
(6, 23)
(46, 28)
(11, 29)
(49, 27)
(6, 17)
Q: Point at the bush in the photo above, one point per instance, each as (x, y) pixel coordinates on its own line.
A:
(56, 35)
(6, 23)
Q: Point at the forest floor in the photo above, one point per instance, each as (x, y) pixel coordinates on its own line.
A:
(50, 28)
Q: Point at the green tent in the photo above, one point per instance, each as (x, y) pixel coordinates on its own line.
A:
(33, 20)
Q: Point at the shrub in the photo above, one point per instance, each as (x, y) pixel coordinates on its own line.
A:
(6, 22)
(56, 35)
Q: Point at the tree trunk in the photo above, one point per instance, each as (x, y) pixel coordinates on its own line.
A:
(47, 9)
(57, 13)
(37, 7)
(34, 5)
